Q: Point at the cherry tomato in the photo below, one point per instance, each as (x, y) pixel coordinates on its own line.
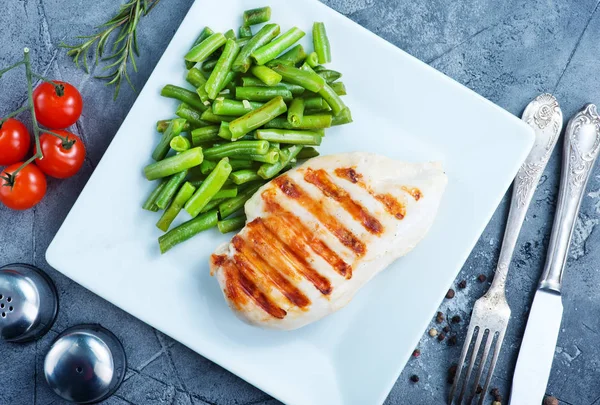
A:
(28, 188)
(57, 108)
(14, 142)
(62, 159)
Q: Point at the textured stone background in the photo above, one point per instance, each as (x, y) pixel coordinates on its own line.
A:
(507, 51)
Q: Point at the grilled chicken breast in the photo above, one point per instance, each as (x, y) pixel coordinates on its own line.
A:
(319, 232)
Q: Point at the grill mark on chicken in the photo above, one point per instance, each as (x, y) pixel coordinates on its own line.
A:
(293, 232)
(347, 238)
(250, 259)
(321, 180)
(239, 280)
(414, 192)
(391, 204)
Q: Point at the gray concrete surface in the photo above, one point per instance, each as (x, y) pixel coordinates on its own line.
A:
(507, 51)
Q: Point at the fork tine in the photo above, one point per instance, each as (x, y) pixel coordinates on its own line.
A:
(461, 362)
(484, 358)
(471, 364)
(492, 365)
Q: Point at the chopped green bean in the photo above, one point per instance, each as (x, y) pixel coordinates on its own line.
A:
(239, 148)
(271, 156)
(175, 164)
(249, 81)
(262, 93)
(268, 171)
(245, 31)
(244, 176)
(214, 203)
(266, 75)
(270, 51)
(330, 76)
(256, 118)
(312, 59)
(243, 41)
(188, 113)
(291, 57)
(309, 80)
(230, 34)
(184, 194)
(308, 152)
(239, 164)
(262, 37)
(187, 230)
(315, 103)
(257, 16)
(213, 118)
(205, 134)
(334, 101)
(195, 78)
(226, 192)
(312, 122)
(224, 131)
(169, 190)
(174, 129)
(231, 224)
(234, 108)
(321, 42)
(207, 166)
(184, 95)
(296, 112)
(216, 81)
(339, 88)
(206, 48)
(209, 187)
(344, 117)
(180, 143)
(289, 136)
(150, 203)
(230, 206)
(205, 33)
(162, 125)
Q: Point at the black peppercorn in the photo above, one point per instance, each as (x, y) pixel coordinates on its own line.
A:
(452, 341)
(482, 278)
(450, 294)
(455, 319)
(441, 337)
(462, 284)
(446, 328)
(414, 378)
(439, 318)
(416, 353)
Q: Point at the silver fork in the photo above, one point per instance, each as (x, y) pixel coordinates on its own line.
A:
(491, 312)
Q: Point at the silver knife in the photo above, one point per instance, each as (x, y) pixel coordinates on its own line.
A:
(582, 144)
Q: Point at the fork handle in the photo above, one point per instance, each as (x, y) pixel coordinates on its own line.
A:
(582, 144)
(543, 114)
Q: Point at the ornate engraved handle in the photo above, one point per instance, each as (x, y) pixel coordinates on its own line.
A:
(543, 114)
(582, 144)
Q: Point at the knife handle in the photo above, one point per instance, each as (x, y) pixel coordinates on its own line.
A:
(582, 144)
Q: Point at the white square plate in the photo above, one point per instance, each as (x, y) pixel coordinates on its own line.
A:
(402, 108)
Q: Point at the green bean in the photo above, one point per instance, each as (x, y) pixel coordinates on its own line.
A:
(216, 81)
(230, 34)
(245, 32)
(175, 164)
(268, 171)
(205, 134)
(205, 33)
(344, 117)
(312, 59)
(214, 203)
(330, 76)
(213, 118)
(208, 188)
(184, 194)
(309, 80)
(256, 118)
(231, 224)
(225, 85)
(296, 112)
(339, 88)
(201, 91)
(224, 131)
(244, 176)
(207, 166)
(279, 123)
(239, 164)
(174, 129)
(208, 65)
(334, 101)
(226, 192)
(188, 113)
(312, 122)
(262, 93)
(180, 143)
(270, 51)
(234, 108)
(169, 190)
(187, 230)
(206, 48)
(315, 103)
(308, 152)
(262, 37)
(248, 81)
(243, 41)
(271, 156)
(239, 148)
(266, 75)
(230, 206)
(150, 204)
(162, 125)
(195, 78)
(257, 16)
(289, 136)
(321, 42)
(184, 95)
(291, 57)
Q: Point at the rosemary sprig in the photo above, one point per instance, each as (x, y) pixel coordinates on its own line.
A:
(124, 48)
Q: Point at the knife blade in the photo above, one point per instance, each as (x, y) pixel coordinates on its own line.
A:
(581, 147)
